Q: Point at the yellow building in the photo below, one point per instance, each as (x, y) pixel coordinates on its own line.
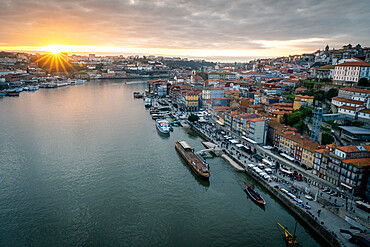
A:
(302, 100)
(191, 101)
(305, 152)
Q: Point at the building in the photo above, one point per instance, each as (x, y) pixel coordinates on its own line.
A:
(353, 133)
(251, 126)
(326, 71)
(354, 93)
(302, 100)
(364, 115)
(351, 72)
(339, 101)
(346, 167)
(191, 100)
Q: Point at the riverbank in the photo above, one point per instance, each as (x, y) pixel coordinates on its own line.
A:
(326, 227)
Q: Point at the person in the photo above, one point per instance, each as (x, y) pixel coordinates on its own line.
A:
(318, 212)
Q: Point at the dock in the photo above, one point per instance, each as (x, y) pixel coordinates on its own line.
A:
(233, 163)
(216, 151)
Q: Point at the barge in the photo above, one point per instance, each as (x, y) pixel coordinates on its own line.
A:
(196, 163)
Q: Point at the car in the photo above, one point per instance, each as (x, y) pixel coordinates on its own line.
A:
(308, 197)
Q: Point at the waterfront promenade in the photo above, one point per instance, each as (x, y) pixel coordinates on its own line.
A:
(328, 209)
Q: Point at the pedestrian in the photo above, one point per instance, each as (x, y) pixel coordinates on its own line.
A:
(318, 212)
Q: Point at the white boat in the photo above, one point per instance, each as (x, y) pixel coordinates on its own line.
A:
(148, 102)
(62, 84)
(31, 88)
(163, 126)
(78, 82)
(18, 89)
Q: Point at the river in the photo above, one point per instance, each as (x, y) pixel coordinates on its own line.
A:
(85, 166)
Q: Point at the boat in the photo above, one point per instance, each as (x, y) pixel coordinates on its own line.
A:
(77, 82)
(163, 102)
(164, 108)
(195, 162)
(61, 84)
(254, 195)
(157, 116)
(154, 110)
(290, 240)
(148, 102)
(163, 126)
(31, 88)
(137, 95)
(11, 93)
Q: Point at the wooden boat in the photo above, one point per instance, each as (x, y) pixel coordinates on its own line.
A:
(254, 195)
(196, 163)
(290, 240)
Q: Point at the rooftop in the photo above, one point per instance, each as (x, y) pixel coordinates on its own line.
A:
(356, 130)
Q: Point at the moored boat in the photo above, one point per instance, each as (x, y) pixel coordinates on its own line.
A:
(137, 95)
(148, 102)
(195, 162)
(254, 195)
(31, 88)
(163, 126)
(290, 240)
(163, 102)
(11, 93)
(157, 116)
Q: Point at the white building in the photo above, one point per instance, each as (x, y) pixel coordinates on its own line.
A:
(349, 72)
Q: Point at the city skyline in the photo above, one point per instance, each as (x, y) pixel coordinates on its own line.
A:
(212, 30)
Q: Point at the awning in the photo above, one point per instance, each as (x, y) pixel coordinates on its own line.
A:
(347, 186)
(249, 140)
(220, 123)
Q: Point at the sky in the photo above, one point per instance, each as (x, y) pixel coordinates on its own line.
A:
(219, 30)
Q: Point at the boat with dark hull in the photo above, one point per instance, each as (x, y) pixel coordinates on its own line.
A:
(254, 195)
(137, 95)
(195, 162)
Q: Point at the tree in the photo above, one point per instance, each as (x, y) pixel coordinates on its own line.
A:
(363, 82)
(193, 118)
(326, 139)
(333, 92)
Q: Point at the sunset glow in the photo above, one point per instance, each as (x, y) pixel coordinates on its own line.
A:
(55, 49)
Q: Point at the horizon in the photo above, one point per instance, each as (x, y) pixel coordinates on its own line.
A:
(216, 30)
(110, 52)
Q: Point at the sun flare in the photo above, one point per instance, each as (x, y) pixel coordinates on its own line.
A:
(55, 49)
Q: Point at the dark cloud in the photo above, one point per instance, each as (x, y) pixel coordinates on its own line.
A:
(184, 24)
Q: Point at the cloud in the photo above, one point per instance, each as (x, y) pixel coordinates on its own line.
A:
(258, 26)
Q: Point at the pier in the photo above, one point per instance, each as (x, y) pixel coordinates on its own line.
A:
(232, 163)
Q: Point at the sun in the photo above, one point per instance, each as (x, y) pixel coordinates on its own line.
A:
(55, 49)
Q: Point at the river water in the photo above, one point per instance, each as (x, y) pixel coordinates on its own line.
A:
(85, 166)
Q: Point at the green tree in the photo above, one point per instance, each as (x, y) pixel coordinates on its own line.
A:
(193, 118)
(326, 139)
(333, 92)
(363, 82)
